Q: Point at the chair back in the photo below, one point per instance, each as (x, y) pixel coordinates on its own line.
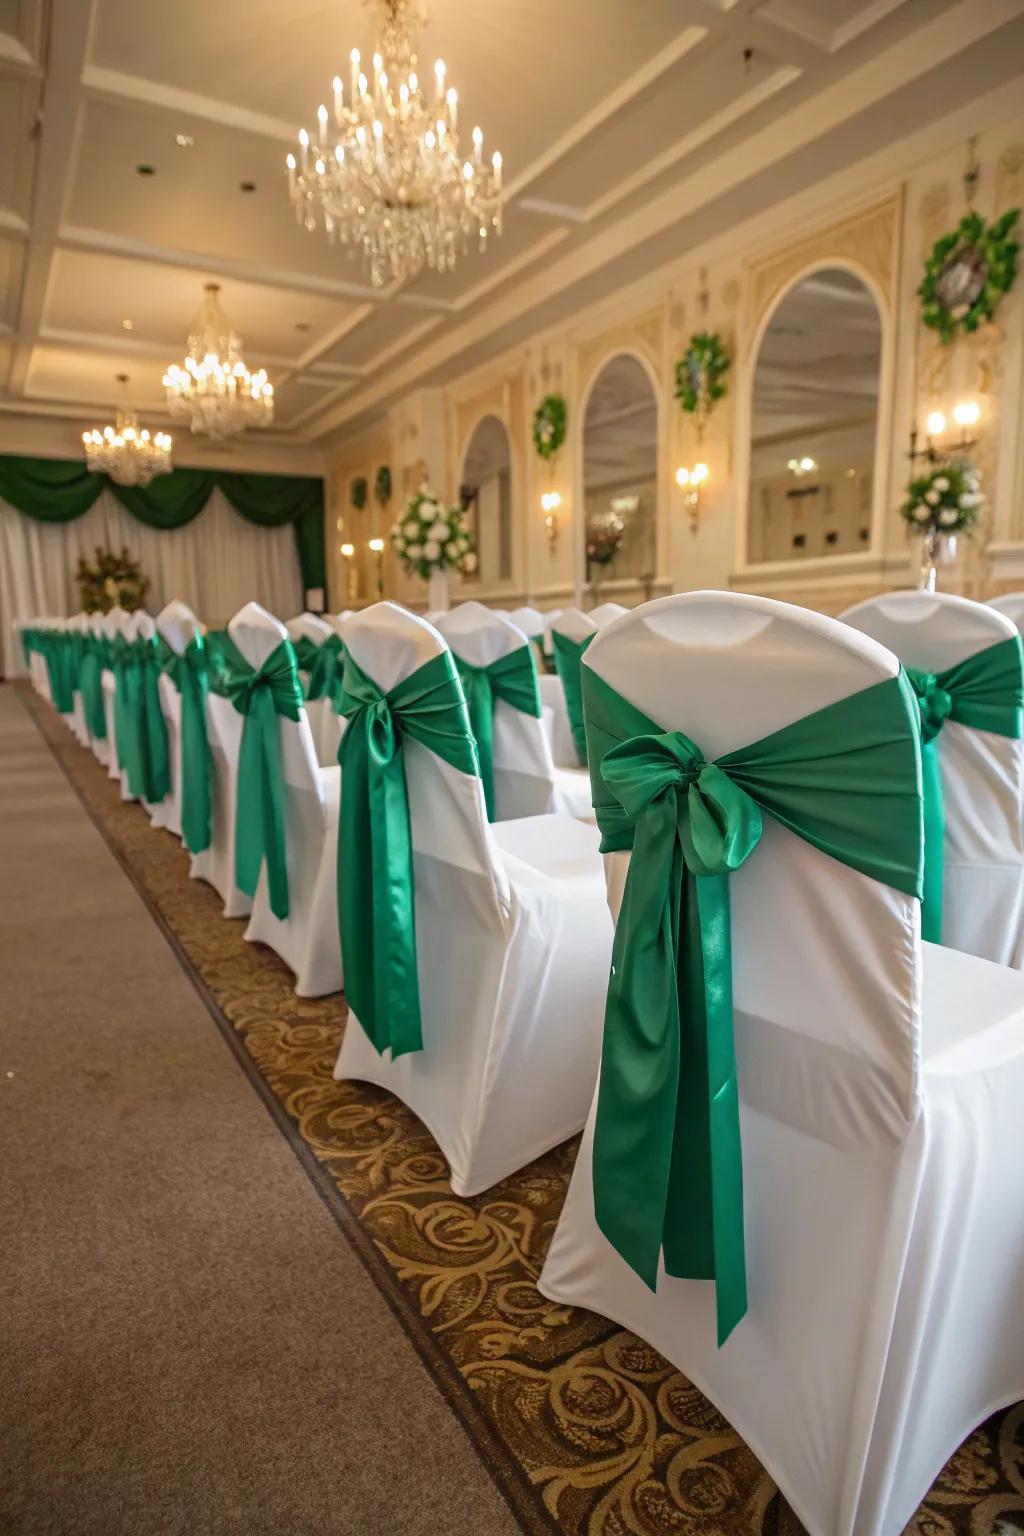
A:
(178, 625)
(571, 622)
(257, 634)
(530, 621)
(140, 626)
(1012, 605)
(524, 770)
(309, 626)
(606, 613)
(826, 961)
(446, 807)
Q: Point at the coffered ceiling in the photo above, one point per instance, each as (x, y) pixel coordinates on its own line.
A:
(630, 129)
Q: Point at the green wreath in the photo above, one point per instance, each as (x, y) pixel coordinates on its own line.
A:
(382, 485)
(358, 492)
(549, 421)
(967, 274)
(700, 372)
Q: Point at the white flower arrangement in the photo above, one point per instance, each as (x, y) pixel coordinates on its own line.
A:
(429, 537)
(947, 500)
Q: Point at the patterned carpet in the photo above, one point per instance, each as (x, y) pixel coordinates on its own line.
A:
(586, 1429)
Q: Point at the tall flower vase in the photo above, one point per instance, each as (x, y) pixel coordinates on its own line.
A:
(439, 596)
(937, 549)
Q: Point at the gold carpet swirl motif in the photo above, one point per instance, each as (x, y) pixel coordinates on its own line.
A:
(602, 1436)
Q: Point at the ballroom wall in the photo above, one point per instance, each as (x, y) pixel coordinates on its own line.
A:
(879, 219)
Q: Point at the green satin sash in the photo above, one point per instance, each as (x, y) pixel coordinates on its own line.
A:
(306, 652)
(512, 678)
(222, 657)
(668, 1173)
(261, 695)
(985, 692)
(376, 908)
(188, 673)
(91, 682)
(325, 678)
(118, 653)
(568, 656)
(56, 651)
(143, 751)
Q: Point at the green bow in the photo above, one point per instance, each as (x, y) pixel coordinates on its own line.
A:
(667, 1161)
(325, 678)
(568, 656)
(90, 676)
(376, 905)
(306, 652)
(141, 729)
(985, 692)
(513, 679)
(261, 694)
(188, 673)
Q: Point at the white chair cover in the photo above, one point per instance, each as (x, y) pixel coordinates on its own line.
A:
(526, 781)
(216, 864)
(880, 1152)
(530, 621)
(177, 625)
(982, 773)
(606, 613)
(323, 721)
(307, 939)
(576, 626)
(1012, 605)
(514, 942)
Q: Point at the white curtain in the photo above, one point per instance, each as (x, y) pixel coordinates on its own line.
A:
(216, 563)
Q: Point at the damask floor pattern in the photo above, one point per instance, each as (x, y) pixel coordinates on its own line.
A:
(586, 1429)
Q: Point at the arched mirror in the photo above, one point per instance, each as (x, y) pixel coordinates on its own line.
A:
(485, 492)
(620, 472)
(814, 421)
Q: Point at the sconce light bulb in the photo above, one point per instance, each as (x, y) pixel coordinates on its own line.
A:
(551, 501)
(682, 477)
(936, 424)
(967, 413)
(700, 474)
(348, 550)
(377, 545)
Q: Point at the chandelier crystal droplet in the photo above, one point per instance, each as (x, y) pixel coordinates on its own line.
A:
(384, 173)
(212, 389)
(128, 453)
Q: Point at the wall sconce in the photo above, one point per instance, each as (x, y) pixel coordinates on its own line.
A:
(804, 466)
(689, 482)
(348, 553)
(550, 503)
(966, 414)
(377, 548)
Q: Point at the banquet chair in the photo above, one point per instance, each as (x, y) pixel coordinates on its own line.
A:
(76, 628)
(116, 625)
(39, 672)
(96, 705)
(606, 613)
(1012, 605)
(569, 631)
(977, 903)
(305, 935)
(511, 935)
(517, 768)
(309, 633)
(215, 864)
(879, 1081)
(177, 626)
(531, 622)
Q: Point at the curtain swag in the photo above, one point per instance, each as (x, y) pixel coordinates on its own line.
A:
(60, 490)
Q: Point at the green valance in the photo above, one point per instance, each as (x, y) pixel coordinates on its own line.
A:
(60, 490)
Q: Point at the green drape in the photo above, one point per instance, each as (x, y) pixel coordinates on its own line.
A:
(667, 1163)
(512, 678)
(60, 490)
(189, 674)
(568, 656)
(261, 694)
(985, 692)
(376, 909)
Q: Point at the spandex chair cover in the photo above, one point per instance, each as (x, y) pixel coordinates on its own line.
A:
(499, 677)
(304, 930)
(606, 613)
(880, 1171)
(183, 690)
(1012, 605)
(317, 644)
(512, 936)
(531, 622)
(116, 626)
(94, 662)
(569, 632)
(977, 900)
(145, 765)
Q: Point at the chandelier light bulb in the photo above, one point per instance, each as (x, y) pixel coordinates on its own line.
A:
(213, 389)
(128, 454)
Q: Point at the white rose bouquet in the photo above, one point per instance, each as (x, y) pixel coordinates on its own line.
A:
(428, 537)
(946, 500)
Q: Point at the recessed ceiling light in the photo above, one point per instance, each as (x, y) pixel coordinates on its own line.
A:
(302, 325)
(247, 186)
(184, 140)
(145, 170)
(127, 325)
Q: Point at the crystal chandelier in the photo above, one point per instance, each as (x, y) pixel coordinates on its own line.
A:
(213, 390)
(130, 455)
(387, 174)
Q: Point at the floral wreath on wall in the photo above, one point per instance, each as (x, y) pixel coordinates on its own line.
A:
(700, 373)
(359, 492)
(968, 272)
(382, 485)
(429, 537)
(549, 424)
(947, 500)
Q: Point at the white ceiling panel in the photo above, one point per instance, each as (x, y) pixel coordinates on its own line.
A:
(64, 373)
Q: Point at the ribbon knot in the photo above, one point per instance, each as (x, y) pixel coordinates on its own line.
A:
(934, 702)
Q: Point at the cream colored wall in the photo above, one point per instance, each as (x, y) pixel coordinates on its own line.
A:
(879, 219)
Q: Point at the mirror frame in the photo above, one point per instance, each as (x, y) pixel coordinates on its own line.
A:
(822, 564)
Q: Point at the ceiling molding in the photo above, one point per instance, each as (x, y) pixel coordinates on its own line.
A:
(113, 86)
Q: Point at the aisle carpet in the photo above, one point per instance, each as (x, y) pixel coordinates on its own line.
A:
(585, 1429)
